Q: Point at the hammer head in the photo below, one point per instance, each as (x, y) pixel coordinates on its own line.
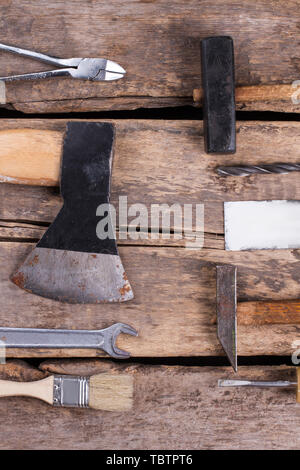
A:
(72, 263)
(226, 311)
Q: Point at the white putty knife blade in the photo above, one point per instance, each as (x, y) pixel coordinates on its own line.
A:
(259, 225)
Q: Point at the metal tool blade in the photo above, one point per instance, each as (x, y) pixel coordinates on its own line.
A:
(76, 261)
(226, 311)
(74, 277)
(258, 225)
(255, 383)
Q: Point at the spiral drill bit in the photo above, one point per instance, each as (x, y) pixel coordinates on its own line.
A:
(248, 170)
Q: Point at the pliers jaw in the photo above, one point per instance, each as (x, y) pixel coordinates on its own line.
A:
(97, 70)
(92, 69)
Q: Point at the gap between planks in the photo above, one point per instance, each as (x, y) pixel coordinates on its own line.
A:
(25, 232)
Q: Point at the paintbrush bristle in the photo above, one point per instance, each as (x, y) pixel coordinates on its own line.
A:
(111, 392)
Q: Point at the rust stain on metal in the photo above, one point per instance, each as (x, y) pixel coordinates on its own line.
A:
(123, 290)
(34, 261)
(19, 279)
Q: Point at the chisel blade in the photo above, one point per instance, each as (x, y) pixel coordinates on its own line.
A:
(226, 311)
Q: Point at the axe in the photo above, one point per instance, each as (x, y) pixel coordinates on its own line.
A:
(71, 263)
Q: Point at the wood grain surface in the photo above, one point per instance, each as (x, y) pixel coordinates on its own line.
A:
(262, 312)
(157, 42)
(165, 396)
(174, 305)
(147, 156)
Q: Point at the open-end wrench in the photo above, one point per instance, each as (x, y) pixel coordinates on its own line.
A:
(73, 339)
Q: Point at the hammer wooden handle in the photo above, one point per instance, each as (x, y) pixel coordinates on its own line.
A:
(273, 312)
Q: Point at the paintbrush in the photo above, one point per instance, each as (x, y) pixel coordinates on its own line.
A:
(101, 392)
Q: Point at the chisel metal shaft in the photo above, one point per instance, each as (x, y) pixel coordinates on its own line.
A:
(255, 383)
(248, 170)
(265, 383)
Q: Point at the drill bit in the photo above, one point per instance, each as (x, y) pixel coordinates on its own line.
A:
(248, 170)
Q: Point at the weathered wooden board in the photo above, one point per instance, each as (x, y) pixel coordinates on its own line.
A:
(24, 232)
(209, 417)
(148, 155)
(174, 305)
(158, 43)
(262, 97)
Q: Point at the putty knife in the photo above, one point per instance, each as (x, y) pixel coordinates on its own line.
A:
(258, 225)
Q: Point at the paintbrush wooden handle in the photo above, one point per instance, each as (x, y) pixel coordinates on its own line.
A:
(30, 156)
(41, 389)
(273, 312)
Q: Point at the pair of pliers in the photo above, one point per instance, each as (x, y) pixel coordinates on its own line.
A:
(82, 68)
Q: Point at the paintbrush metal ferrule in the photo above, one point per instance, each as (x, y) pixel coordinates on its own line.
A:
(71, 391)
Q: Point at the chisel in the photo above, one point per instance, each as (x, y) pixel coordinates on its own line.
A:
(102, 391)
(264, 384)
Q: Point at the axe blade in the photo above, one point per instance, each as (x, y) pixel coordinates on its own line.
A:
(74, 277)
(71, 263)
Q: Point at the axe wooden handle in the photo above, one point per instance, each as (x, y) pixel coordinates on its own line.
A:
(30, 156)
(273, 312)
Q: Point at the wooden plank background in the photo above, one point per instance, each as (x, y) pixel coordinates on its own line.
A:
(174, 408)
(156, 162)
(158, 43)
(174, 305)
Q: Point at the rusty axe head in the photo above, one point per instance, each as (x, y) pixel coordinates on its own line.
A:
(71, 263)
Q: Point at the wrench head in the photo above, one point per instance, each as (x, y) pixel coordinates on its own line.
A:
(110, 335)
